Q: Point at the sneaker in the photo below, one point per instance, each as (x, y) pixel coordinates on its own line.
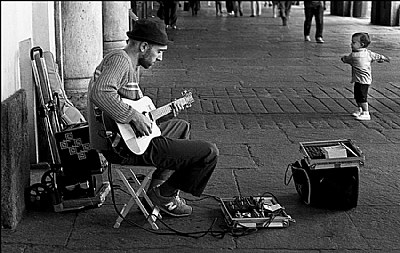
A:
(174, 27)
(364, 116)
(307, 38)
(320, 40)
(174, 206)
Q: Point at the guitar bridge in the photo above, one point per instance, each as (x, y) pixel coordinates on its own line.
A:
(116, 140)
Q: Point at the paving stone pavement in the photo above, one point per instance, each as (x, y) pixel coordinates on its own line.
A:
(259, 90)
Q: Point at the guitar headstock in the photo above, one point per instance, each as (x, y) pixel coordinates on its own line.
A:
(187, 99)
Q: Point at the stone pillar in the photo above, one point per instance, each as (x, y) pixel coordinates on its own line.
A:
(341, 8)
(385, 13)
(115, 24)
(360, 9)
(82, 45)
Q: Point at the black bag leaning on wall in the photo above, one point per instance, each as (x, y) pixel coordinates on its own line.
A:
(335, 188)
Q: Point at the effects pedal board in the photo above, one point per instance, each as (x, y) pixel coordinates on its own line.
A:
(254, 212)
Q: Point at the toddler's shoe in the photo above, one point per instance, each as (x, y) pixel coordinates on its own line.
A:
(174, 205)
(356, 113)
(364, 116)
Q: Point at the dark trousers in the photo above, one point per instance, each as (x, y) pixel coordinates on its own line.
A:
(218, 7)
(229, 6)
(160, 11)
(170, 12)
(237, 8)
(318, 12)
(284, 9)
(186, 164)
(195, 6)
(361, 92)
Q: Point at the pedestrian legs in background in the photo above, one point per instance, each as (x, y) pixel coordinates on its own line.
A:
(314, 9)
(255, 8)
(284, 11)
(160, 11)
(195, 6)
(274, 8)
(237, 8)
(170, 13)
(267, 3)
(218, 8)
(229, 7)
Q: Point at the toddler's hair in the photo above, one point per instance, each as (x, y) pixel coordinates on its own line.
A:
(364, 38)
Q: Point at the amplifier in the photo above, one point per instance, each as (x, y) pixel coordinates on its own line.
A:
(330, 188)
(328, 175)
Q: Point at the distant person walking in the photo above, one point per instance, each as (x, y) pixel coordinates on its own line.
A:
(237, 8)
(360, 60)
(256, 8)
(274, 8)
(218, 8)
(314, 9)
(229, 7)
(284, 11)
(160, 11)
(195, 6)
(170, 13)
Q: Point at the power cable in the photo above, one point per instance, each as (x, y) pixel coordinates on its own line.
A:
(236, 232)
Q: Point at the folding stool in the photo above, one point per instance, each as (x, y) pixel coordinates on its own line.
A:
(137, 191)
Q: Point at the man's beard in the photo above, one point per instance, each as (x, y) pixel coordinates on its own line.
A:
(144, 61)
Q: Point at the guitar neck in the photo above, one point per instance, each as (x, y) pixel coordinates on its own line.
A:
(161, 111)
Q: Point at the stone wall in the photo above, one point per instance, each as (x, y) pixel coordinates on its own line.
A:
(15, 168)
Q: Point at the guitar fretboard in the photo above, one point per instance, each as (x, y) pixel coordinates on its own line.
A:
(161, 111)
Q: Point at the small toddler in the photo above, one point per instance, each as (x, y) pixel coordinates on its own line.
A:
(360, 60)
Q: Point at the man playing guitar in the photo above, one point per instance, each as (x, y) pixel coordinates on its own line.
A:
(182, 164)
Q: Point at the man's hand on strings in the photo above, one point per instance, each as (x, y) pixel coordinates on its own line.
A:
(141, 125)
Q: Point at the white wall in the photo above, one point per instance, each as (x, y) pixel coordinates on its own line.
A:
(21, 21)
(16, 25)
(43, 25)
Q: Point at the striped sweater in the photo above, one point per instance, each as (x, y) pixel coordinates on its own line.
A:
(360, 62)
(113, 79)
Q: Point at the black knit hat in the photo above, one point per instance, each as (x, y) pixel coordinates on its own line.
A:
(151, 30)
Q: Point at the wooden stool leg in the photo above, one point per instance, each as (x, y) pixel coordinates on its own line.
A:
(124, 211)
(151, 218)
(141, 189)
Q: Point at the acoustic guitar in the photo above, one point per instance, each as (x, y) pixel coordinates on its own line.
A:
(145, 105)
